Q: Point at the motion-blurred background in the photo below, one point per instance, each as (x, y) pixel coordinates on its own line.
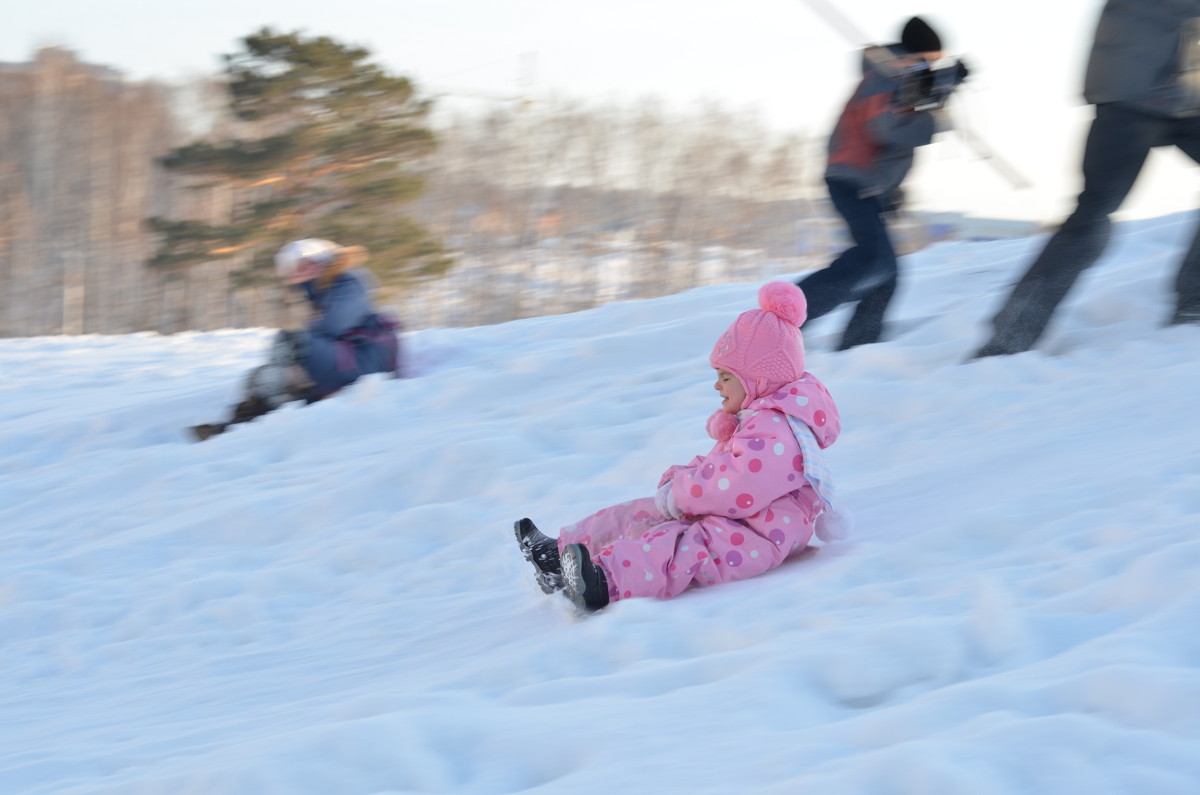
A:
(500, 160)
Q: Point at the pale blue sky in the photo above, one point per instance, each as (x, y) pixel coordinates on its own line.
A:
(775, 56)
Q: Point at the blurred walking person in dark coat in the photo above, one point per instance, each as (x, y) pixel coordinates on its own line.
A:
(1143, 76)
(870, 153)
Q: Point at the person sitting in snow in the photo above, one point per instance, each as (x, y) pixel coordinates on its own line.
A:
(345, 339)
(738, 511)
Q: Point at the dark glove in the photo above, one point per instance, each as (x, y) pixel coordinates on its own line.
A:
(960, 72)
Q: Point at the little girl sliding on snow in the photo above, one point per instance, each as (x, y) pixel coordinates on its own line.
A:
(736, 512)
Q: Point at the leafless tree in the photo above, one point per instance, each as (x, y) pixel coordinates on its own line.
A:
(561, 206)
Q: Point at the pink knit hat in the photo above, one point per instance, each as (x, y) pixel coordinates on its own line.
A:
(764, 347)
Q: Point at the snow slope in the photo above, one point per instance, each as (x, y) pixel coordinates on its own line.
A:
(329, 600)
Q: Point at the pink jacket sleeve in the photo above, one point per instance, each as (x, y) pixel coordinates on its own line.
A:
(671, 470)
(758, 465)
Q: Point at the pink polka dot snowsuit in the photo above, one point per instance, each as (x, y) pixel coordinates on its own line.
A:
(746, 505)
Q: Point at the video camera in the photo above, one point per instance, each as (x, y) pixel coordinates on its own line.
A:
(923, 87)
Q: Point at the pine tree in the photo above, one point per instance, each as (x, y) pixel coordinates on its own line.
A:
(331, 152)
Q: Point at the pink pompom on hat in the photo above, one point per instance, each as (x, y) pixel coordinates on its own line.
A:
(764, 347)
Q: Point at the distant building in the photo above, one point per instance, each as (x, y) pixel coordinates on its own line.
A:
(64, 56)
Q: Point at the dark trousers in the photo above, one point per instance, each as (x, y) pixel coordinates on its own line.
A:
(1117, 146)
(866, 272)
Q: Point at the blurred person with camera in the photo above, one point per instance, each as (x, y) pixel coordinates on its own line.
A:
(1143, 76)
(890, 113)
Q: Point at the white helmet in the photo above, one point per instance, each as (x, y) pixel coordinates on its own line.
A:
(304, 260)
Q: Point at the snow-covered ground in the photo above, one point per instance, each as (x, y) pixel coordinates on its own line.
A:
(329, 600)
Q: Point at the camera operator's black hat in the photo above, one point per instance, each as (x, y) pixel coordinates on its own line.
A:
(919, 37)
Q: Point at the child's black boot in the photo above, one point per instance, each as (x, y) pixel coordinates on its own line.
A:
(249, 409)
(207, 431)
(542, 551)
(584, 582)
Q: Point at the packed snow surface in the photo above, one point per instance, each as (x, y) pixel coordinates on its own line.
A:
(330, 600)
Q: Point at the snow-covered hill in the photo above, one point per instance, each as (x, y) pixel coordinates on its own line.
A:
(329, 600)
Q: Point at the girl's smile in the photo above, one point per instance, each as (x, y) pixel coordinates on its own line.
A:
(733, 394)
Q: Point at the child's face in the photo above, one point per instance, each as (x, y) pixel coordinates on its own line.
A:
(733, 394)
